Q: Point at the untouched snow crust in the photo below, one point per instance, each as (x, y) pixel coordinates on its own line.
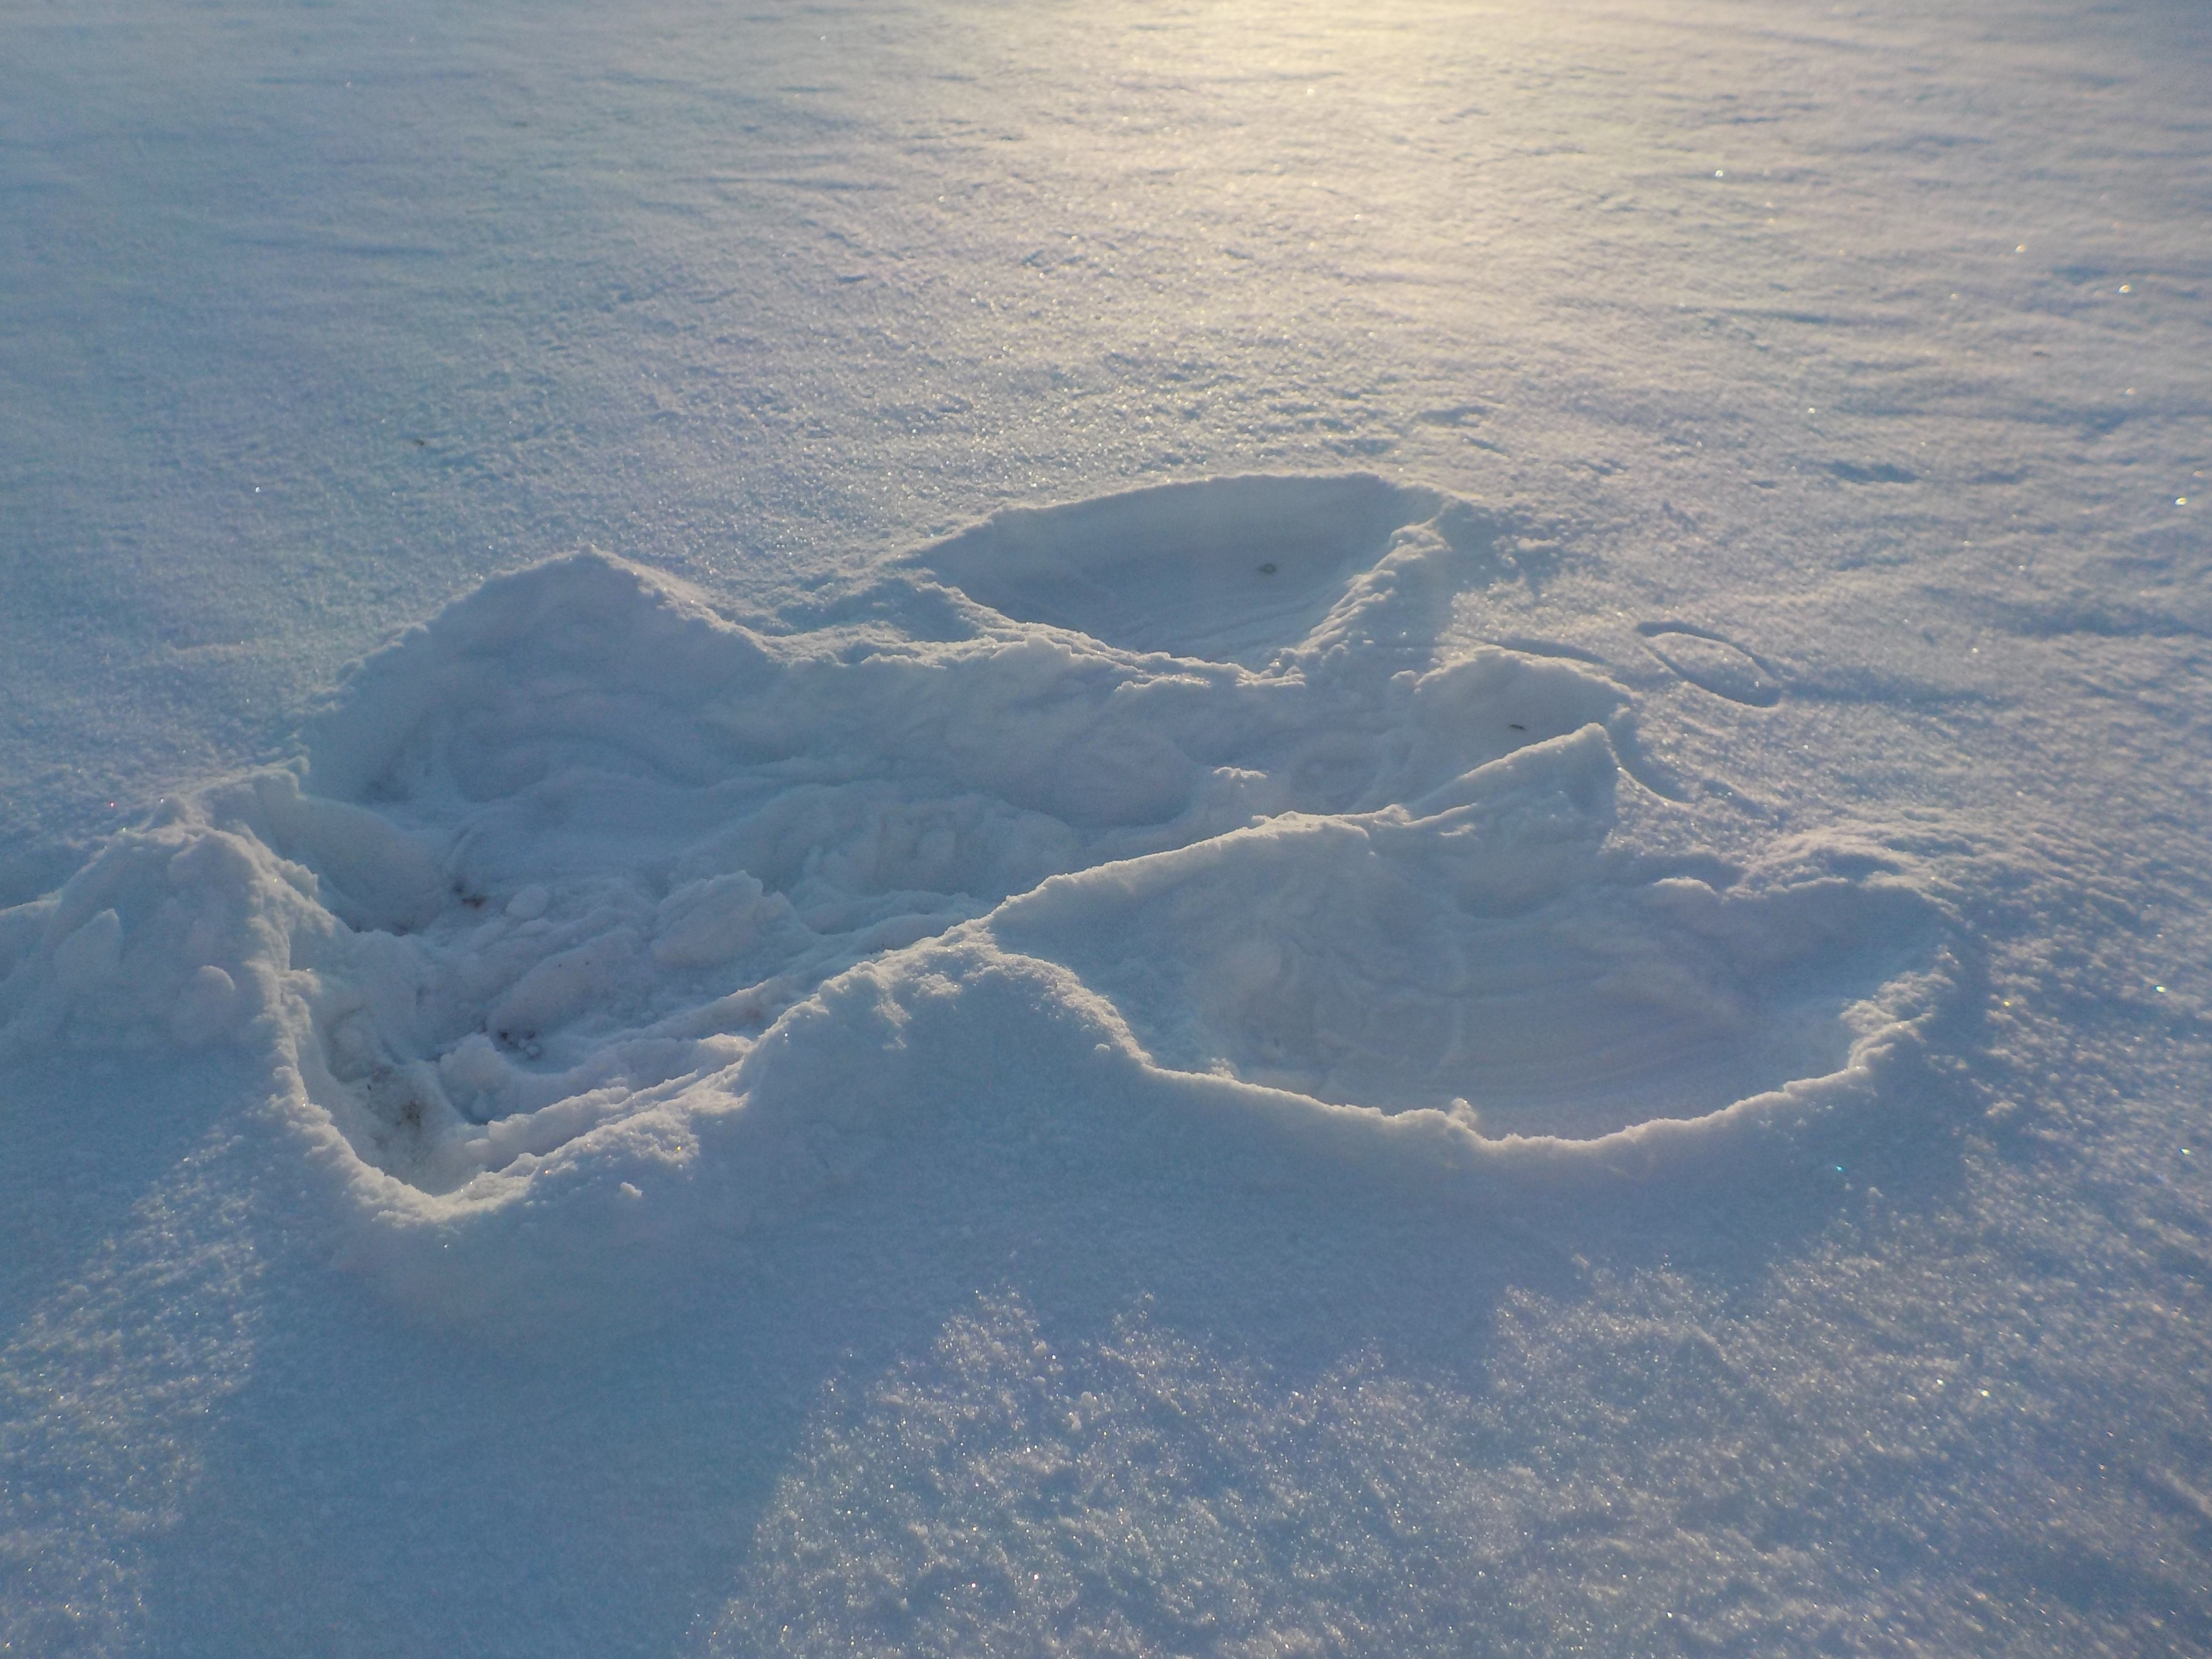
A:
(953, 828)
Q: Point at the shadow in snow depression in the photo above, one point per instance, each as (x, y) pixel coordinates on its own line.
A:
(562, 860)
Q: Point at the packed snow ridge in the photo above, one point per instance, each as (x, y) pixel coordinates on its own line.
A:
(588, 897)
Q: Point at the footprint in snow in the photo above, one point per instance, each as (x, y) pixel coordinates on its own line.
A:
(1713, 664)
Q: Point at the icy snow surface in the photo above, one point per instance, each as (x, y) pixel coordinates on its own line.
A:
(1242, 829)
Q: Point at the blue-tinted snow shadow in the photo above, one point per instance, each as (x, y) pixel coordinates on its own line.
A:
(83, 1137)
(382, 1487)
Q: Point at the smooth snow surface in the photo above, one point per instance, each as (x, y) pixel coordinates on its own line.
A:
(1247, 830)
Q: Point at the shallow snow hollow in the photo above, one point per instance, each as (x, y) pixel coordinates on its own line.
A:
(592, 905)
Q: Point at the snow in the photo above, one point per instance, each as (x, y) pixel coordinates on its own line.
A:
(566, 858)
(951, 829)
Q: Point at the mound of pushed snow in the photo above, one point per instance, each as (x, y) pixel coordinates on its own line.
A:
(593, 903)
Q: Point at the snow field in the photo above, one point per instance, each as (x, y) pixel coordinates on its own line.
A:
(1008, 1189)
